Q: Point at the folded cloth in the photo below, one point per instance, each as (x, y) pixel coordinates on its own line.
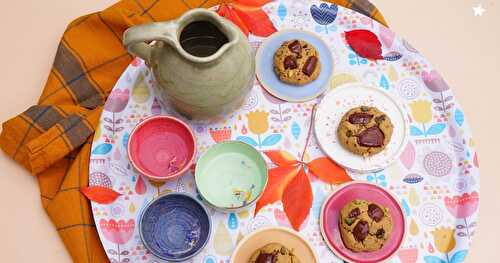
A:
(53, 138)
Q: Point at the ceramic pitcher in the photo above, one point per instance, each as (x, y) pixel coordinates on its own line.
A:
(202, 62)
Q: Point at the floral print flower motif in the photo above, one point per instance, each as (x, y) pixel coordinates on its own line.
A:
(118, 232)
(444, 239)
(462, 207)
(434, 81)
(324, 15)
(258, 122)
(421, 111)
(117, 100)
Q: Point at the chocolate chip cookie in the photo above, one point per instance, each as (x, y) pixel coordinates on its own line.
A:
(365, 226)
(297, 62)
(273, 253)
(365, 131)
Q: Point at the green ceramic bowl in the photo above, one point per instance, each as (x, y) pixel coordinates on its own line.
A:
(231, 176)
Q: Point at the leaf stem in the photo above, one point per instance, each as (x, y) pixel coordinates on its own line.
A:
(309, 133)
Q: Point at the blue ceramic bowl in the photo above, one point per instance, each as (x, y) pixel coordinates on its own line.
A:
(175, 227)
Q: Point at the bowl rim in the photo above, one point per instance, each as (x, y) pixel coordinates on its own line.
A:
(166, 195)
(260, 159)
(259, 69)
(397, 101)
(165, 118)
(280, 228)
(350, 184)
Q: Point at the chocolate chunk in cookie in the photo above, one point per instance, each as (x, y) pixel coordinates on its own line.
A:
(295, 47)
(273, 253)
(371, 137)
(360, 118)
(290, 62)
(310, 65)
(380, 233)
(354, 213)
(375, 212)
(266, 258)
(360, 231)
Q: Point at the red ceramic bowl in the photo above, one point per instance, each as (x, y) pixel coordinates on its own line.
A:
(161, 148)
(329, 221)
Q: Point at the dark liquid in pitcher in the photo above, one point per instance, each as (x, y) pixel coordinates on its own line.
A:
(202, 39)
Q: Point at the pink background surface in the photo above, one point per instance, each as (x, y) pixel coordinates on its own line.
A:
(464, 48)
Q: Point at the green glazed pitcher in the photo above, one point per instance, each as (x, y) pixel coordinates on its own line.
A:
(202, 62)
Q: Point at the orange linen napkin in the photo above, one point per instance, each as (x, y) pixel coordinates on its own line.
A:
(53, 138)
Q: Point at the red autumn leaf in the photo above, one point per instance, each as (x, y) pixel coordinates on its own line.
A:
(255, 19)
(258, 3)
(365, 43)
(281, 158)
(328, 171)
(297, 199)
(99, 194)
(140, 186)
(228, 13)
(278, 179)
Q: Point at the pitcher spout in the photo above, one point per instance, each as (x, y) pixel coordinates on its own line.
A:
(204, 36)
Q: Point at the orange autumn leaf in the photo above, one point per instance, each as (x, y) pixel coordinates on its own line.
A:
(99, 194)
(281, 158)
(228, 13)
(258, 3)
(255, 19)
(278, 179)
(328, 171)
(297, 199)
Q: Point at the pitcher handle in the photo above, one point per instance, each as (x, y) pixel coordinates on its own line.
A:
(135, 38)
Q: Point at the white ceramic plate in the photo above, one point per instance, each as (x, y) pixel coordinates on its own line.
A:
(339, 101)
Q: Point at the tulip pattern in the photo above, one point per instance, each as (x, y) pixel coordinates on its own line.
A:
(436, 179)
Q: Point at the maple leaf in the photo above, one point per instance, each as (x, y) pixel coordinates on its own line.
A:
(297, 199)
(290, 183)
(99, 194)
(328, 171)
(248, 16)
(278, 179)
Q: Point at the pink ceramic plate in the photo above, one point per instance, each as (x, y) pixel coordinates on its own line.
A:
(329, 221)
(161, 147)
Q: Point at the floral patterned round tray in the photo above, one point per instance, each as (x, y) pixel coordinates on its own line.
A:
(436, 178)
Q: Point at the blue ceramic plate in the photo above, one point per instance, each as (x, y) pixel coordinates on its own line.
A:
(175, 227)
(271, 82)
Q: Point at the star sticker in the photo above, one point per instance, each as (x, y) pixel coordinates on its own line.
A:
(479, 10)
